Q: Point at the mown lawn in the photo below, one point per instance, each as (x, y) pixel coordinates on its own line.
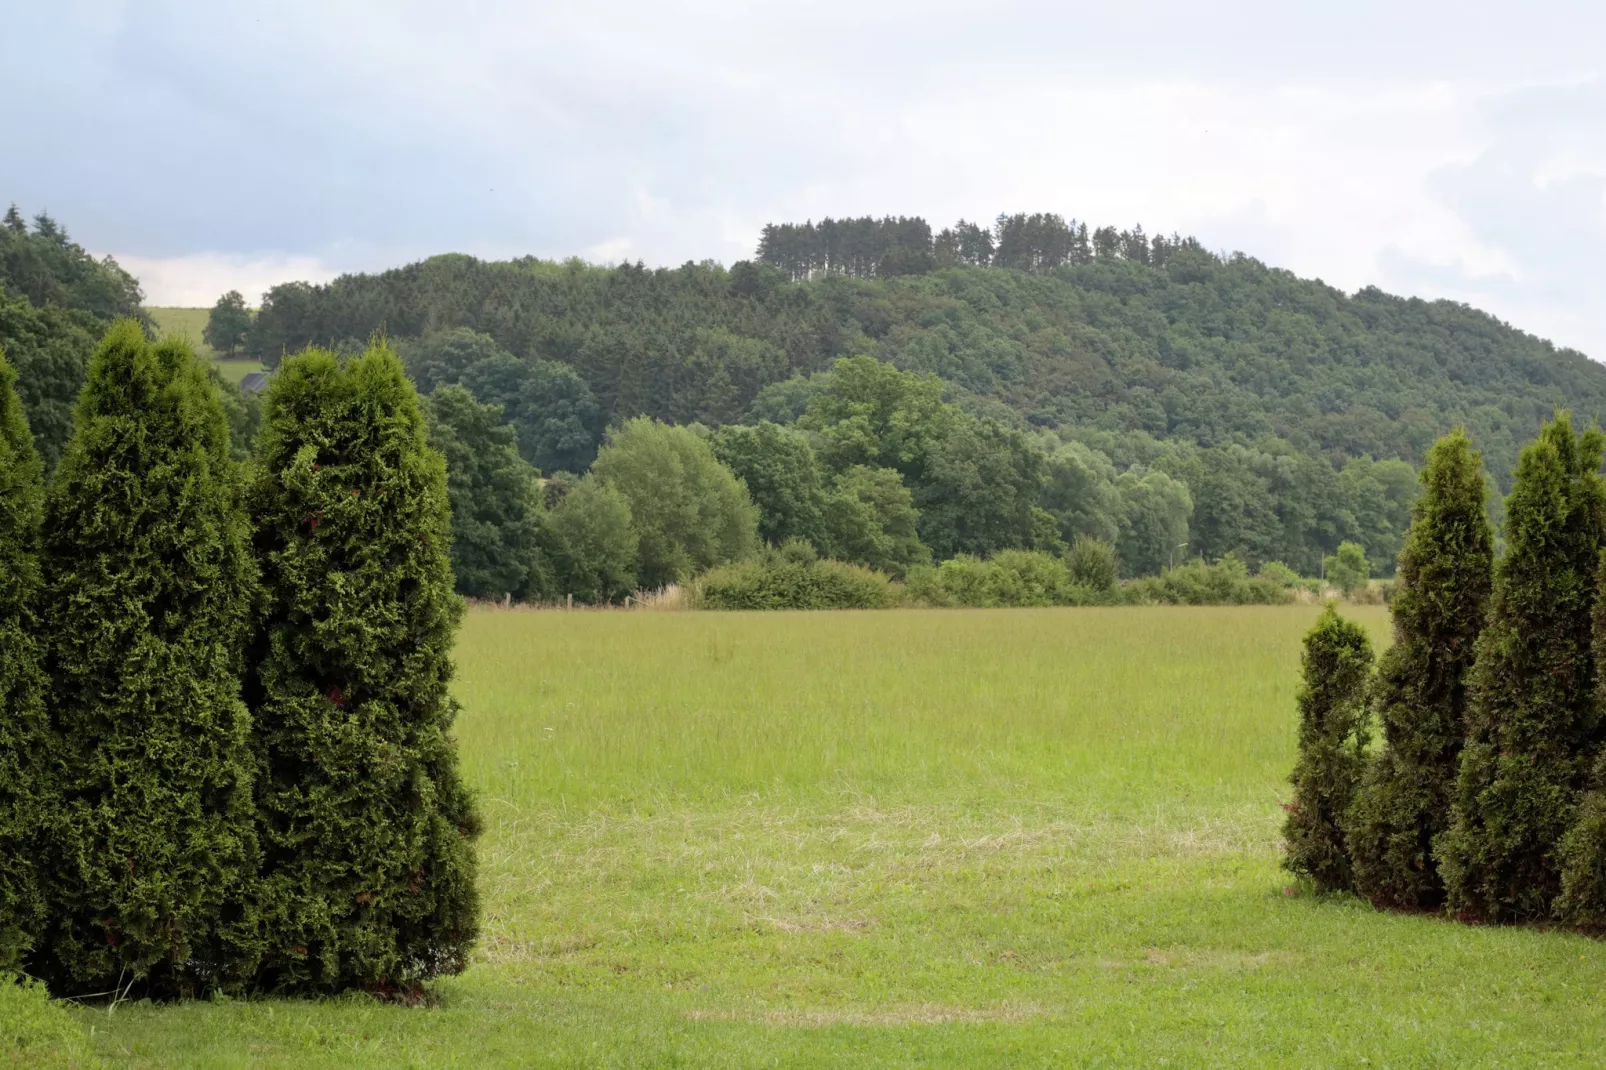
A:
(987, 838)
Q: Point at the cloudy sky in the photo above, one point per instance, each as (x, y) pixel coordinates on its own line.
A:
(1447, 149)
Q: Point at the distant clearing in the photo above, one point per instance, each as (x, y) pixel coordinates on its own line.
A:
(190, 323)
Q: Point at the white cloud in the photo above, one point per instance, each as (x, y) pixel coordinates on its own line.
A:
(197, 281)
(1415, 146)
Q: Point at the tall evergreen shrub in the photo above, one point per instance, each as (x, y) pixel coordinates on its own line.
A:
(366, 826)
(1533, 717)
(149, 587)
(1582, 852)
(1337, 667)
(1445, 572)
(25, 738)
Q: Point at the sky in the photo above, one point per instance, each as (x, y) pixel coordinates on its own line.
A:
(1433, 148)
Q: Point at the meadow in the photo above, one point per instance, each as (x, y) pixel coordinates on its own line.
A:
(190, 324)
(1011, 837)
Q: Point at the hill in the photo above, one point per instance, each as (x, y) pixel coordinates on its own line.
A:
(1179, 345)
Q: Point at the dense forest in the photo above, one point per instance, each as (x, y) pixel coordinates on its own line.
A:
(978, 389)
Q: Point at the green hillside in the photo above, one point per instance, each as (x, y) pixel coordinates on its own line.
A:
(1188, 347)
(189, 323)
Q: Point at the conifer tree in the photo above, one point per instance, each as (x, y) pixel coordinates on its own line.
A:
(1532, 719)
(1445, 572)
(367, 828)
(25, 739)
(148, 587)
(1583, 849)
(1337, 667)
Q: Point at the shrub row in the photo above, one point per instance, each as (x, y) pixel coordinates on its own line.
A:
(225, 751)
(794, 577)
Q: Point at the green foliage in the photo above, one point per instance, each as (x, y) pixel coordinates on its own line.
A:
(554, 412)
(1153, 520)
(1421, 691)
(1421, 694)
(27, 789)
(874, 415)
(242, 410)
(1280, 574)
(980, 491)
(150, 587)
(793, 578)
(48, 268)
(1337, 667)
(50, 348)
(1348, 569)
(1008, 578)
(227, 325)
(1582, 851)
(870, 519)
(1079, 492)
(1197, 583)
(1091, 562)
(777, 466)
(1533, 720)
(1187, 346)
(689, 512)
(593, 543)
(367, 829)
(55, 302)
(495, 496)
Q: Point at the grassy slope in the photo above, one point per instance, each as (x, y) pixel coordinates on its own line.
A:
(191, 323)
(1011, 837)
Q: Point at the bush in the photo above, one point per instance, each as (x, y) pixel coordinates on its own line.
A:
(1008, 578)
(1337, 667)
(1348, 569)
(150, 585)
(1280, 574)
(1092, 563)
(26, 790)
(1227, 582)
(792, 578)
(1421, 697)
(1532, 724)
(367, 828)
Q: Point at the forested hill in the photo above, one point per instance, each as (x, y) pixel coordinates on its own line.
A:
(1033, 321)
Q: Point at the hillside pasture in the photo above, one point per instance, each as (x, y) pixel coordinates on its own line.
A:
(1013, 837)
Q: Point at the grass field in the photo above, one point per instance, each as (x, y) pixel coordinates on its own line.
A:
(191, 323)
(990, 838)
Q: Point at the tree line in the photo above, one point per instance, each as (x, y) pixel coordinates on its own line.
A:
(865, 464)
(867, 247)
(1487, 798)
(226, 759)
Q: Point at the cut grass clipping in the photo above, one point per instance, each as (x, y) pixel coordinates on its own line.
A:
(1014, 837)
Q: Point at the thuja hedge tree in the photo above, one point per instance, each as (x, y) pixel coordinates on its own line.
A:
(1420, 696)
(1582, 851)
(1533, 718)
(1337, 665)
(366, 827)
(150, 582)
(24, 727)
